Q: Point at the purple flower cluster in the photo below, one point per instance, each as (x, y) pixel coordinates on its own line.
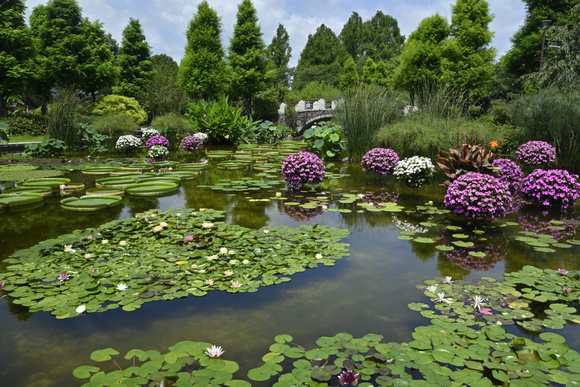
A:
(157, 140)
(478, 197)
(536, 153)
(303, 168)
(553, 188)
(379, 160)
(191, 143)
(509, 173)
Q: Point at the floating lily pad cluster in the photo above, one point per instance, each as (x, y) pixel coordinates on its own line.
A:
(486, 301)
(16, 172)
(186, 364)
(242, 185)
(442, 354)
(162, 256)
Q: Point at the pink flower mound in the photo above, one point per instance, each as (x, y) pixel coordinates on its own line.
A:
(476, 196)
(157, 140)
(510, 173)
(551, 188)
(536, 153)
(191, 143)
(379, 160)
(303, 168)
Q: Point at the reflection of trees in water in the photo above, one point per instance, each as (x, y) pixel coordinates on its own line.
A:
(249, 214)
(495, 248)
(22, 313)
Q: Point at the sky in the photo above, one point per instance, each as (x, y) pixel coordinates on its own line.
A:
(165, 22)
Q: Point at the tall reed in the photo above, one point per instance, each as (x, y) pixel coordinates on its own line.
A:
(63, 118)
(440, 100)
(551, 115)
(362, 113)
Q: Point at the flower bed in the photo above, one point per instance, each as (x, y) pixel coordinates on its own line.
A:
(125, 143)
(191, 143)
(157, 140)
(379, 160)
(510, 173)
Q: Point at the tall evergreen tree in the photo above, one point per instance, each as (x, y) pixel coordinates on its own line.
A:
(247, 56)
(202, 69)
(352, 34)
(16, 52)
(279, 54)
(349, 79)
(162, 94)
(134, 62)
(381, 38)
(369, 71)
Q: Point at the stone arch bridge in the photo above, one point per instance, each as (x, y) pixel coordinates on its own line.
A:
(303, 114)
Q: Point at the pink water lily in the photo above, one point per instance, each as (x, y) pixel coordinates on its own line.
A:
(562, 271)
(348, 377)
(189, 238)
(485, 311)
(63, 277)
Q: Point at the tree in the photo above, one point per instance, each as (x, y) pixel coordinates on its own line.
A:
(134, 61)
(381, 38)
(202, 69)
(279, 53)
(321, 59)
(467, 61)
(349, 79)
(524, 56)
(247, 57)
(369, 71)
(162, 94)
(16, 52)
(351, 35)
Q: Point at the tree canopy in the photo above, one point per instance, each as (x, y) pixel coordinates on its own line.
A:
(279, 53)
(381, 38)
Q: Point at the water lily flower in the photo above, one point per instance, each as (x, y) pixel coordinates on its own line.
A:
(278, 194)
(348, 377)
(227, 273)
(431, 288)
(81, 309)
(231, 252)
(214, 351)
(562, 271)
(212, 257)
(189, 238)
(246, 261)
(178, 214)
(88, 256)
(236, 284)
(324, 208)
(478, 302)
(441, 298)
(62, 187)
(63, 277)
(566, 291)
(486, 311)
(2, 284)
(104, 241)
(233, 262)
(266, 231)
(223, 250)
(207, 225)
(163, 224)
(447, 280)
(69, 249)
(194, 267)
(209, 282)
(361, 195)
(318, 256)
(90, 237)
(157, 228)
(122, 287)
(122, 243)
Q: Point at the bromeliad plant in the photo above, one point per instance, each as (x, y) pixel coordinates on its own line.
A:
(379, 160)
(303, 168)
(414, 171)
(468, 158)
(551, 188)
(325, 140)
(536, 153)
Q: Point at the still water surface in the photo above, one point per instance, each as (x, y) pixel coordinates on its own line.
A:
(365, 292)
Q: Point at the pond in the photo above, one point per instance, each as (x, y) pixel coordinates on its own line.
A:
(367, 291)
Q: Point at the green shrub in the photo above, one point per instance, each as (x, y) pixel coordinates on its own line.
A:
(4, 130)
(266, 133)
(114, 125)
(30, 124)
(423, 135)
(439, 99)
(312, 90)
(46, 148)
(174, 127)
(118, 104)
(325, 140)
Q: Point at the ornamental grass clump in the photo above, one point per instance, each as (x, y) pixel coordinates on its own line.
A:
(551, 188)
(303, 168)
(157, 140)
(379, 160)
(509, 173)
(128, 142)
(479, 197)
(191, 143)
(414, 171)
(536, 153)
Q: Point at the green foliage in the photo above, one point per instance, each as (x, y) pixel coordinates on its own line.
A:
(4, 133)
(381, 38)
(553, 116)
(118, 104)
(325, 140)
(247, 57)
(134, 61)
(46, 148)
(424, 135)
(219, 120)
(362, 113)
(16, 52)
(351, 35)
(91, 139)
(202, 69)
(31, 124)
(63, 118)
(349, 79)
(266, 133)
(439, 99)
(174, 127)
(114, 125)
(279, 53)
(314, 90)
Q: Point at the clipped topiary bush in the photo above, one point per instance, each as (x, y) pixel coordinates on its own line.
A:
(118, 104)
(551, 188)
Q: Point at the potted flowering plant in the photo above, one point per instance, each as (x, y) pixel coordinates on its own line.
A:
(158, 152)
(536, 153)
(303, 168)
(551, 188)
(379, 160)
(509, 173)
(157, 140)
(191, 143)
(414, 171)
(146, 134)
(127, 143)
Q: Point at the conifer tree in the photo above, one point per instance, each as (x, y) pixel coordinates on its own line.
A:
(279, 54)
(349, 79)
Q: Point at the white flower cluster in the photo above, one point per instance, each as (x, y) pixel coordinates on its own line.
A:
(158, 151)
(127, 142)
(146, 134)
(201, 136)
(405, 225)
(415, 171)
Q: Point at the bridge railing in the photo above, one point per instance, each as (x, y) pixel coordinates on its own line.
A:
(308, 105)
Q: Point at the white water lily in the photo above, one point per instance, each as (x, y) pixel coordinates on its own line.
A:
(207, 225)
(446, 280)
(478, 302)
(318, 256)
(223, 250)
(278, 194)
(81, 309)
(266, 231)
(431, 288)
(122, 287)
(69, 249)
(214, 351)
(441, 298)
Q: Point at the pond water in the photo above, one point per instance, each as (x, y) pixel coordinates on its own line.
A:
(365, 292)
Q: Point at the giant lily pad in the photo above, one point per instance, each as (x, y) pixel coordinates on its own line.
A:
(45, 191)
(90, 203)
(16, 200)
(151, 188)
(100, 170)
(53, 182)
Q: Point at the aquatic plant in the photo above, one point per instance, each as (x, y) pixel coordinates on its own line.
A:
(157, 140)
(379, 160)
(191, 143)
(551, 188)
(558, 229)
(476, 196)
(158, 152)
(510, 173)
(303, 168)
(414, 171)
(127, 142)
(473, 252)
(536, 153)
(325, 140)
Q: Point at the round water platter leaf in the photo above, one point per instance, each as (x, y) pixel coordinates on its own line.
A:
(21, 199)
(321, 375)
(114, 182)
(424, 240)
(544, 249)
(106, 191)
(231, 166)
(260, 374)
(477, 254)
(194, 167)
(90, 202)
(283, 339)
(45, 191)
(137, 167)
(103, 354)
(445, 248)
(53, 182)
(185, 176)
(163, 177)
(100, 170)
(150, 188)
(84, 372)
(460, 236)
(164, 164)
(74, 187)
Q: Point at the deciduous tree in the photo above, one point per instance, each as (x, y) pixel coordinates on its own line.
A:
(381, 38)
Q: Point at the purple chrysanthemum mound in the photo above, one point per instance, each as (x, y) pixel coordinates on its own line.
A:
(303, 168)
(536, 153)
(191, 143)
(551, 188)
(157, 140)
(510, 173)
(379, 160)
(476, 196)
